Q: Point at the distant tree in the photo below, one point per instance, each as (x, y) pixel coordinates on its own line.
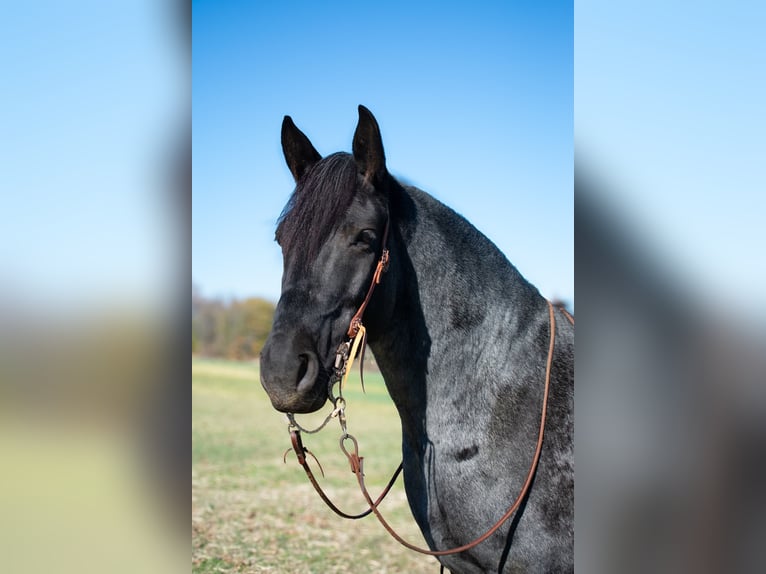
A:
(252, 323)
(236, 329)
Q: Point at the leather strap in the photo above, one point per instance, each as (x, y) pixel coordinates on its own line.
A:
(356, 320)
(301, 451)
(356, 466)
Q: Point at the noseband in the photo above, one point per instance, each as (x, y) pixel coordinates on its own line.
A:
(344, 359)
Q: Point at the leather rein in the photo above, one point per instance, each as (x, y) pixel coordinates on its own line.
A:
(344, 359)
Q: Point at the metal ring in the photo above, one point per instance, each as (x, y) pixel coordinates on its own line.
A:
(343, 438)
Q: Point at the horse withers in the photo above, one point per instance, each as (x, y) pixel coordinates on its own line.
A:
(462, 341)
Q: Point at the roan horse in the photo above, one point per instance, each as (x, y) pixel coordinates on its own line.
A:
(462, 341)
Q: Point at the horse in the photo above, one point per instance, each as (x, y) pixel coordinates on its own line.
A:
(460, 337)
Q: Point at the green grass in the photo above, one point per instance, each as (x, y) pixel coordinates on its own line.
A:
(253, 513)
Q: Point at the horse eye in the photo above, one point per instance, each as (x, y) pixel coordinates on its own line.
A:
(366, 237)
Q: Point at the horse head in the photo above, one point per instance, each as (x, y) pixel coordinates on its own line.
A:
(331, 233)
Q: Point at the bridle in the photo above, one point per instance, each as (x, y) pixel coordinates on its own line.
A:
(344, 359)
(347, 351)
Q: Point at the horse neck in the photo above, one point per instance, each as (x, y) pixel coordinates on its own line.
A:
(451, 295)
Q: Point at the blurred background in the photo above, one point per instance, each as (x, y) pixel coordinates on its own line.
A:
(669, 201)
(95, 181)
(96, 251)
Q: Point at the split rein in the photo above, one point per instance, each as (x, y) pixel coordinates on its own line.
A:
(344, 360)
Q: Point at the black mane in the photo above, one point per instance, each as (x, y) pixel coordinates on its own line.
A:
(312, 213)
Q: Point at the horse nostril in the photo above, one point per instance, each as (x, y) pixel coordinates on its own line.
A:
(307, 371)
(303, 366)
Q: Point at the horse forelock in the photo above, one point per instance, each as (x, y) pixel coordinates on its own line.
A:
(316, 207)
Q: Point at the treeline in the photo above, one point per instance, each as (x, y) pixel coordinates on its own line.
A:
(234, 329)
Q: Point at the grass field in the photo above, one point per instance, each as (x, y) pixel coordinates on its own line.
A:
(253, 513)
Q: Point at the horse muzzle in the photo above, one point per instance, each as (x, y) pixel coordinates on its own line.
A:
(291, 373)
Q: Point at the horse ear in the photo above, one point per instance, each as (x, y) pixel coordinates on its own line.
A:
(368, 147)
(299, 153)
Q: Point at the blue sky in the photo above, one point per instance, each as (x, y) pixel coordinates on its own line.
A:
(475, 104)
(670, 115)
(93, 107)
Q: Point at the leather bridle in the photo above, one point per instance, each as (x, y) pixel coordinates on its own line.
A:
(344, 358)
(380, 268)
